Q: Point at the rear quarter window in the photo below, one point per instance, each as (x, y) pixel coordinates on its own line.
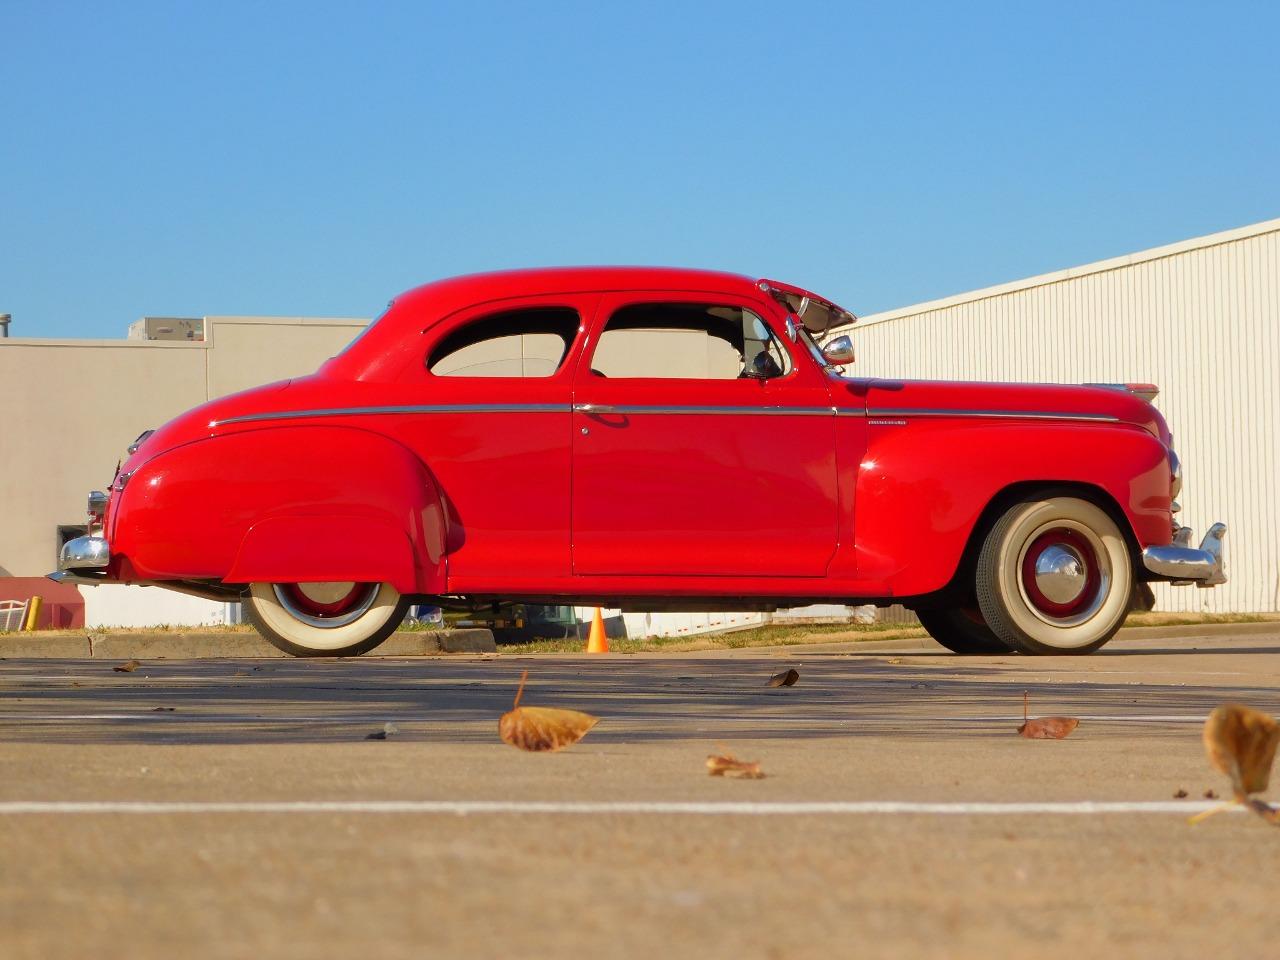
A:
(528, 342)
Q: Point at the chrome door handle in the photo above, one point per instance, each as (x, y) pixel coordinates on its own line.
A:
(592, 408)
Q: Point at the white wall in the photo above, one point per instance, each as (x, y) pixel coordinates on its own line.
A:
(118, 605)
(682, 624)
(1201, 319)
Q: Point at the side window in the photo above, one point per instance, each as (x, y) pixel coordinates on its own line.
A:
(688, 341)
(530, 342)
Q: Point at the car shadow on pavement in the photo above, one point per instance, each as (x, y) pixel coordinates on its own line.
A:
(638, 700)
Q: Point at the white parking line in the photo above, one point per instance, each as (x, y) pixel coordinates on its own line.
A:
(590, 808)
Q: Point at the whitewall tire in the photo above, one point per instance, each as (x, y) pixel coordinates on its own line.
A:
(961, 630)
(1055, 576)
(325, 619)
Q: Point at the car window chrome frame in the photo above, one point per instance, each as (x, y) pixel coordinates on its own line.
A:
(750, 306)
(481, 313)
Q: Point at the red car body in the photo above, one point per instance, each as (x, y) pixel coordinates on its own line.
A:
(639, 492)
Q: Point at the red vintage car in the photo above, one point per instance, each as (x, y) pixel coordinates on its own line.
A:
(650, 439)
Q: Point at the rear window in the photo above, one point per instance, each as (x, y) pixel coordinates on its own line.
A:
(530, 342)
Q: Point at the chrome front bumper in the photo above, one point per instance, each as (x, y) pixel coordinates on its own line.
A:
(1183, 564)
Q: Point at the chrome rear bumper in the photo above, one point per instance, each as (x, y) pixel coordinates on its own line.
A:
(1183, 564)
(84, 553)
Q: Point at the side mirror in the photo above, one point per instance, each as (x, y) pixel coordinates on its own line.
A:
(839, 351)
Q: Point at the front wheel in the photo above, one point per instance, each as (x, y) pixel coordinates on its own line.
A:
(325, 619)
(1055, 576)
(961, 630)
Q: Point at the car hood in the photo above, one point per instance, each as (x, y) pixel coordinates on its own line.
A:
(904, 398)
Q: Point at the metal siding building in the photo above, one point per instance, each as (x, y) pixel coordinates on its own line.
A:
(1197, 318)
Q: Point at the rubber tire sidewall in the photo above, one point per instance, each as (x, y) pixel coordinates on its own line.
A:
(997, 578)
(298, 639)
(959, 634)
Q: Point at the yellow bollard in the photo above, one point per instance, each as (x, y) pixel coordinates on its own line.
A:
(33, 613)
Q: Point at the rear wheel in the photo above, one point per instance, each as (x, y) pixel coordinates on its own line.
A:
(1055, 576)
(338, 619)
(961, 630)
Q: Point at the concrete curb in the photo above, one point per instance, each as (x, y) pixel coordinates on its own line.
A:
(1198, 629)
(197, 645)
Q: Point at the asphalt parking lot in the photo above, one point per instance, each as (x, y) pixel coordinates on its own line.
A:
(225, 808)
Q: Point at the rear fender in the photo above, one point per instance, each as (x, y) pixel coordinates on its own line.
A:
(284, 504)
(302, 549)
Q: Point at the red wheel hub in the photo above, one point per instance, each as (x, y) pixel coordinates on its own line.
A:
(1061, 573)
(321, 600)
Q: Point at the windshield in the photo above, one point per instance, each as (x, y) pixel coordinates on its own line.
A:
(812, 344)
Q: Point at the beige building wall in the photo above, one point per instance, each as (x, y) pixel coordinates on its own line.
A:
(244, 352)
(1201, 319)
(72, 406)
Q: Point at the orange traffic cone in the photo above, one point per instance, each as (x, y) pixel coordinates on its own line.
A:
(597, 642)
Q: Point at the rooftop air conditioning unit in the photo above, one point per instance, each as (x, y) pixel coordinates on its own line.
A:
(167, 328)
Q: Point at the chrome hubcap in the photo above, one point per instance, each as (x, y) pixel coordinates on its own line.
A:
(326, 605)
(325, 593)
(1060, 573)
(1064, 573)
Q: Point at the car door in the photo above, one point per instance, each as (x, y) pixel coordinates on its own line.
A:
(493, 425)
(686, 464)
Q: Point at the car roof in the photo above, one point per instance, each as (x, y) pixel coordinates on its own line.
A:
(423, 307)
(456, 292)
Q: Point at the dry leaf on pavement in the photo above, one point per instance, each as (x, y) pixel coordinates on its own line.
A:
(727, 765)
(1241, 742)
(540, 729)
(786, 679)
(1045, 728)
(127, 667)
(1048, 728)
(388, 730)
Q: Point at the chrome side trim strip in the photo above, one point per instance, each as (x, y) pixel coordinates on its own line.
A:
(142, 438)
(989, 414)
(639, 409)
(380, 411)
(632, 409)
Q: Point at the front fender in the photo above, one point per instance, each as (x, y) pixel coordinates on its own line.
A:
(287, 503)
(923, 486)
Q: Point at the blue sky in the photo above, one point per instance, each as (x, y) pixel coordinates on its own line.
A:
(311, 158)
